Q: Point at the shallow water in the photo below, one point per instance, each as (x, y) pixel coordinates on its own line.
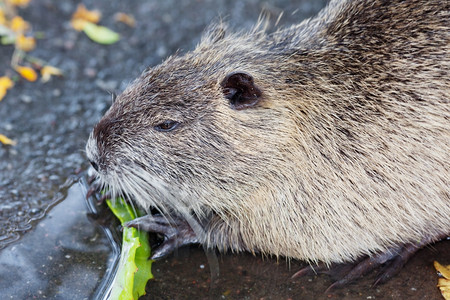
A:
(49, 247)
(65, 254)
(186, 275)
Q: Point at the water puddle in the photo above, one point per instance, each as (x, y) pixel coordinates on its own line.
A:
(65, 254)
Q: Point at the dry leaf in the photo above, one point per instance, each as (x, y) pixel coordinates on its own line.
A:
(48, 71)
(19, 25)
(444, 270)
(78, 24)
(444, 286)
(86, 20)
(6, 141)
(444, 283)
(2, 93)
(82, 13)
(5, 84)
(25, 43)
(27, 73)
(21, 3)
(124, 18)
(2, 17)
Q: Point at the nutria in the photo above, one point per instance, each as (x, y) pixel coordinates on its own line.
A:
(327, 141)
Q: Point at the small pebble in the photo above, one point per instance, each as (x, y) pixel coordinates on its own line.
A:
(26, 99)
(56, 92)
(90, 72)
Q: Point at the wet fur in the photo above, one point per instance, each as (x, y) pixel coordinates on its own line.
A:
(346, 154)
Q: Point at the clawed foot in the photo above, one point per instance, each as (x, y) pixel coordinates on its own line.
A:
(176, 232)
(391, 261)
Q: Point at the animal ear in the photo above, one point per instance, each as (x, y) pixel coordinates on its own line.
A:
(240, 89)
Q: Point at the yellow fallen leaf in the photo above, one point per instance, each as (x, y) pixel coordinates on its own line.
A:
(2, 17)
(19, 25)
(48, 71)
(444, 286)
(444, 270)
(6, 141)
(2, 93)
(78, 24)
(27, 73)
(125, 18)
(100, 34)
(25, 43)
(5, 84)
(82, 13)
(444, 283)
(21, 3)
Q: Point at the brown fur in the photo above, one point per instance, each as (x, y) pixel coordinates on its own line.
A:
(346, 154)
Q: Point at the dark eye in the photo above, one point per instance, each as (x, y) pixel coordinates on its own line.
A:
(167, 125)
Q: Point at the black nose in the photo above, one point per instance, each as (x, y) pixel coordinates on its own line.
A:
(94, 165)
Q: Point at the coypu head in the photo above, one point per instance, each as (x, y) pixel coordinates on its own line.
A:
(196, 133)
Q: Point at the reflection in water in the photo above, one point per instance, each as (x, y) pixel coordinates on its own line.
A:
(66, 254)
